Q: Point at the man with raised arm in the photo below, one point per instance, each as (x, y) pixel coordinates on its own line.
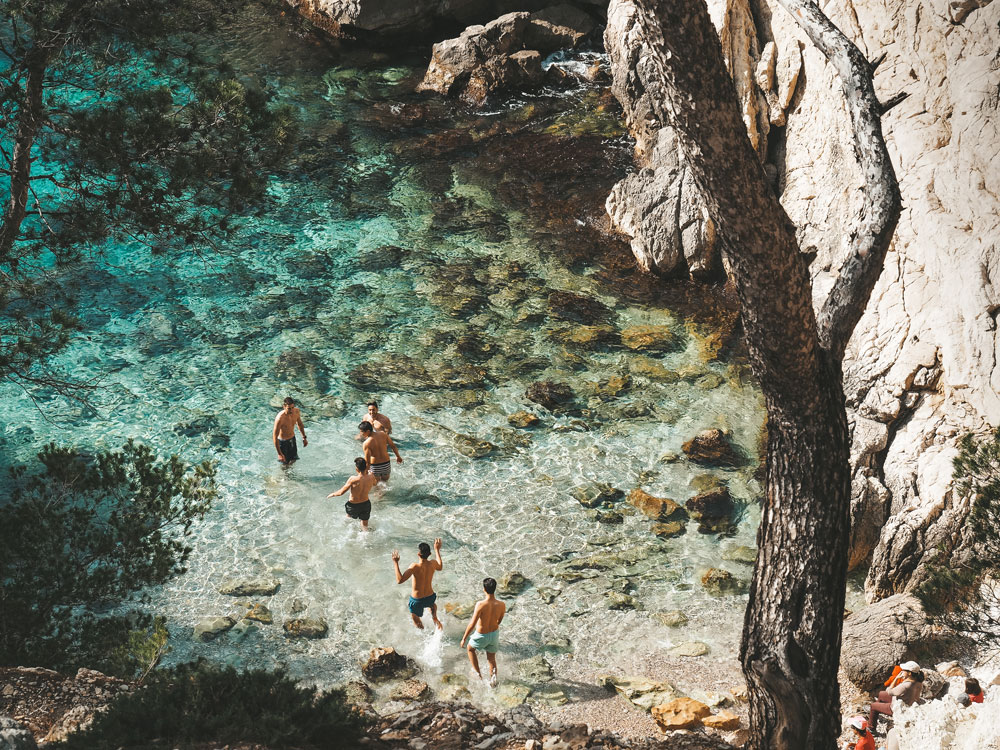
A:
(359, 506)
(486, 618)
(283, 433)
(422, 571)
(376, 449)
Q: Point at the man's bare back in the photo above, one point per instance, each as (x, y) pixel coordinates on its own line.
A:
(376, 448)
(422, 572)
(488, 614)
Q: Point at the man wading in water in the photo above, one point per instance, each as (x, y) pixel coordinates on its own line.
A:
(284, 432)
(422, 572)
(359, 506)
(488, 615)
(376, 450)
(379, 421)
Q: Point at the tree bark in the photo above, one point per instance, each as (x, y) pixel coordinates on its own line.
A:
(29, 123)
(791, 636)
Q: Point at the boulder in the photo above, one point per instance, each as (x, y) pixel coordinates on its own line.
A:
(680, 713)
(883, 635)
(212, 627)
(558, 27)
(14, 736)
(713, 447)
(657, 508)
(669, 529)
(306, 627)
(642, 692)
(249, 587)
(935, 685)
(649, 338)
(386, 664)
(725, 721)
(551, 395)
(522, 419)
(259, 613)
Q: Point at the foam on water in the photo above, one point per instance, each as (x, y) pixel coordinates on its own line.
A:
(194, 352)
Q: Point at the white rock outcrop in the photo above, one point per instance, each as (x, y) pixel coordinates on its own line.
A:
(921, 369)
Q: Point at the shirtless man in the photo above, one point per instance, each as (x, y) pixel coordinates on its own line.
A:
(378, 421)
(359, 506)
(284, 432)
(376, 449)
(422, 571)
(488, 615)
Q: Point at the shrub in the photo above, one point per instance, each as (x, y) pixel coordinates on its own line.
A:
(201, 702)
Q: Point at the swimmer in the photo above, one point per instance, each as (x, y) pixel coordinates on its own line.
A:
(422, 572)
(380, 422)
(283, 434)
(486, 618)
(359, 506)
(376, 449)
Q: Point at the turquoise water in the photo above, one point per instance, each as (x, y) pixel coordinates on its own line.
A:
(409, 254)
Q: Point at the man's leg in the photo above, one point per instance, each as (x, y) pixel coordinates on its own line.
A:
(434, 616)
(491, 657)
(475, 662)
(364, 525)
(417, 621)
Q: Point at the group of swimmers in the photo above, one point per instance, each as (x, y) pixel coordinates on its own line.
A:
(375, 467)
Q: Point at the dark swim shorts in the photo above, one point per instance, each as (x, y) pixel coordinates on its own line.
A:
(417, 606)
(360, 511)
(289, 449)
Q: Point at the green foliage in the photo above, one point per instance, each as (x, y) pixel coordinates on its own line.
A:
(965, 593)
(114, 129)
(82, 534)
(204, 703)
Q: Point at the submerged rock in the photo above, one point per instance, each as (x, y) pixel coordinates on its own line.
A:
(249, 587)
(657, 508)
(619, 601)
(512, 584)
(549, 394)
(211, 628)
(669, 529)
(259, 613)
(596, 494)
(713, 447)
(672, 618)
(718, 582)
(522, 419)
(467, 445)
(587, 337)
(740, 553)
(689, 648)
(306, 627)
(713, 510)
(650, 338)
(578, 308)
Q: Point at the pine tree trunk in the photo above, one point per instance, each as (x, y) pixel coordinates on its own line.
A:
(29, 123)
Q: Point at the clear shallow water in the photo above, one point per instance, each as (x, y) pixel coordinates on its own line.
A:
(485, 215)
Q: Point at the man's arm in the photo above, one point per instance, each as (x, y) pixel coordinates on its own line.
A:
(366, 451)
(472, 623)
(274, 437)
(503, 611)
(400, 576)
(437, 554)
(399, 458)
(343, 489)
(302, 428)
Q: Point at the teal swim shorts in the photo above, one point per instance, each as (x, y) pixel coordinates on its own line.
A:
(485, 641)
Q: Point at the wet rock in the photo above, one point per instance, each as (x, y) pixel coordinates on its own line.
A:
(410, 690)
(454, 693)
(725, 721)
(511, 694)
(587, 337)
(713, 510)
(644, 367)
(249, 587)
(358, 693)
(397, 373)
(386, 664)
(14, 736)
(610, 388)
(306, 627)
(549, 694)
(612, 518)
(211, 628)
(548, 595)
(718, 582)
(713, 447)
(467, 445)
(512, 584)
(680, 713)
(689, 648)
(301, 366)
(522, 722)
(657, 508)
(558, 645)
(513, 440)
(522, 419)
(741, 554)
(384, 258)
(535, 669)
(672, 618)
(259, 613)
(549, 394)
(669, 529)
(578, 308)
(642, 692)
(619, 601)
(649, 338)
(197, 426)
(596, 494)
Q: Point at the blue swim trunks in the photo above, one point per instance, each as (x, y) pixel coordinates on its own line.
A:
(417, 606)
(488, 642)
